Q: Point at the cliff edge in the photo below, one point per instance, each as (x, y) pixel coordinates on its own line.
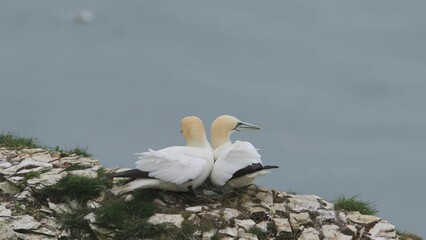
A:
(48, 195)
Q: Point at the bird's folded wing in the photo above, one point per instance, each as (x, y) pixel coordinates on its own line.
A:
(171, 166)
(237, 156)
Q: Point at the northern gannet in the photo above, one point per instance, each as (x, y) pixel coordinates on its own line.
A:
(236, 164)
(177, 168)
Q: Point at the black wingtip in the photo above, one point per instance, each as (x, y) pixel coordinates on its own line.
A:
(133, 173)
(269, 167)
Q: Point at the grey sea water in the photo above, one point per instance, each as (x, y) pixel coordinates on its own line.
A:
(337, 87)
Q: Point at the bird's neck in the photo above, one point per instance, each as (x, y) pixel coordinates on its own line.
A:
(218, 138)
(198, 143)
(198, 139)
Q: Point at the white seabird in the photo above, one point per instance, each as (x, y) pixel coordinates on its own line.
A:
(236, 164)
(177, 168)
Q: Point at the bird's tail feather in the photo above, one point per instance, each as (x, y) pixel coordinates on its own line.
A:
(133, 185)
(133, 173)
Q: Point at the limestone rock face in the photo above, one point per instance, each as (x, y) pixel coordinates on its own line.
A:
(249, 213)
(159, 218)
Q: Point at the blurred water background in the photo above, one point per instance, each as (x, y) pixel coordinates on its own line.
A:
(338, 87)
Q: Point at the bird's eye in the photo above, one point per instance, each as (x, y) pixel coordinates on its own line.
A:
(181, 131)
(238, 124)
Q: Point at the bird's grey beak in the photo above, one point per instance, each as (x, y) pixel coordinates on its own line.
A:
(245, 126)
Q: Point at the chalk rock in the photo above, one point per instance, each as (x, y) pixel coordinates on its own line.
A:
(209, 234)
(229, 213)
(359, 218)
(32, 151)
(4, 212)
(258, 213)
(279, 208)
(331, 232)
(5, 164)
(6, 232)
(8, 188)
(299, 219)
(46, 179)
(59, 208)
(247, 236)
(309, 234)
(300, 203)
(25, 222)
(383, 229)
(31, 165)
(283, 225)
(159, 218)
(245, 223)
(16, 179)
(195, 209)
(229, 231)
(266, 198)
(90, 173)
(92, 204)
(47, 157)
(24, 195)
(263, 226)
(342, 217)
(325, 215)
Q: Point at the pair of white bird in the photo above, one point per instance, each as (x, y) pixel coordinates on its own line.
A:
(183, 168)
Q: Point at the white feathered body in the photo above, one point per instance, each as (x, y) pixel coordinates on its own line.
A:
(173, 168)
(231, 157)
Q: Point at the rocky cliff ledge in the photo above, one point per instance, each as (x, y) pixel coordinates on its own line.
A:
(46, 195)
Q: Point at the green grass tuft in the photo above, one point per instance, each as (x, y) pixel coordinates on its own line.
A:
(76, 187)
(272, 228)
(207, 224)
(216, 237)
(290, 191)
(404, 235)
(13, 140)
(75, 222)
(258, 232)
(353, 204)
(76, 167)
(141, 230)
(188, 229)
(129, 217)
(118, 212)
(30, 175)
(80, 151)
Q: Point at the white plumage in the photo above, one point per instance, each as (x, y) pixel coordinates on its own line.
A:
(236, 164)
(177, 165)
(177, 168)
(231, 157)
